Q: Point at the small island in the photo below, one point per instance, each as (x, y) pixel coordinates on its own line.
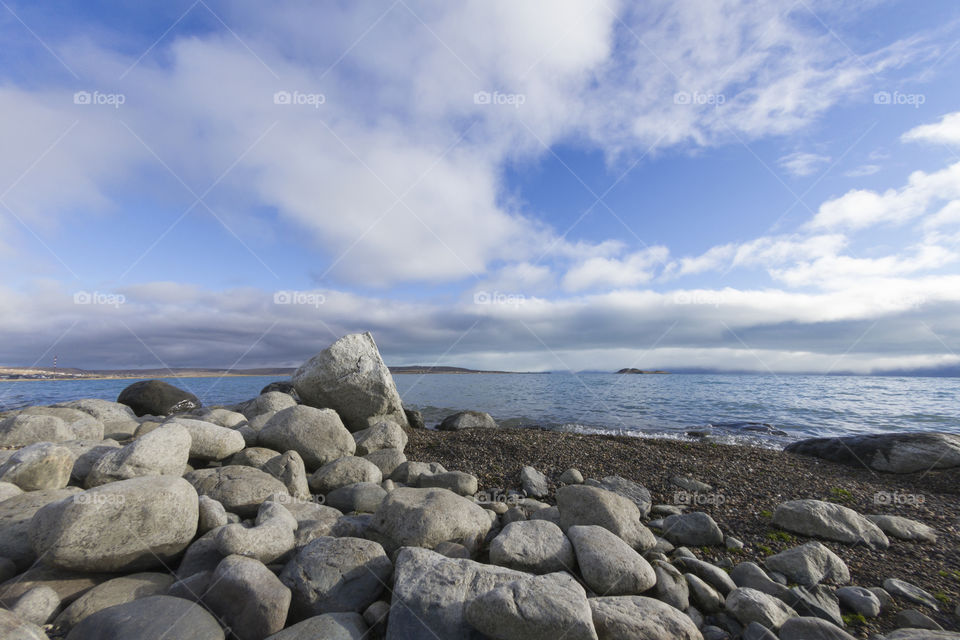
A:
(631, 370)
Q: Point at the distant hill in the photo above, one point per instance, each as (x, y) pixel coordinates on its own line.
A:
(43, 373)
(639, 371)
(424, 369)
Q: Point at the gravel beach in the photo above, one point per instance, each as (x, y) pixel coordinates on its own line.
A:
(749, 481)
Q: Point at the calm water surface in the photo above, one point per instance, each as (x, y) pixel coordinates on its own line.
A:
(766, 409)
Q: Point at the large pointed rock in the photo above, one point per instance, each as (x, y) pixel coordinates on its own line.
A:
(351, 378)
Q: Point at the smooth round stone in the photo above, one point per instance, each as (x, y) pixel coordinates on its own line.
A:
(151, 618)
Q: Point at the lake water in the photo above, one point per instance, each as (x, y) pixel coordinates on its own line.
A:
(763, 409)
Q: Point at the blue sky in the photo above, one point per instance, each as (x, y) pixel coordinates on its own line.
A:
(731, 185)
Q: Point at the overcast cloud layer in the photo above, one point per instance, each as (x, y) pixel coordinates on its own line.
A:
(381, 136)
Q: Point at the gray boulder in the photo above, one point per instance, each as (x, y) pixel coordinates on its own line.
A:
(14, 628)
(8, 490)
(150, 618)
(911, 592)
(571, 476)
(425, 517)
(670, 587)
(123, 526)
(38, 605)
(409, 472)
(239, 489)
(712, 574)
(47, 424)
(636, 493)
(254, 457)
(756, 631)
(209, 441)
(247, 597)
(534, 608)
(534, 483)
(350, 377)
(859, 600)
(329, 626)
(318, 435)
(910, 619)
(534, 546)
(103, 410)
(343, 471)
(809, 564)
(608, 564)
(290, 469)
(336, 574)
(44, 465)
(904, 528)
(696, 529)
(110, 593)
(16, 513)
(748, 574)
(376, 616)
(212, 515)
(640, 618)
(268, 540)
(583, 505)
(157, 398)
(362, 497)
(818, 601)
(266, 403)
(387, 460)
(382, 435)
(806, 628)
(816, 518)
(69, 585)
(221, 417)
(462, 484)
(86, 453)
(702, 595)
(749, 605)
(890, 452)
(431, 593)
(468, 420)
(162, 452)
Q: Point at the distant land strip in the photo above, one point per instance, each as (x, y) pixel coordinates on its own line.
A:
(43, 373)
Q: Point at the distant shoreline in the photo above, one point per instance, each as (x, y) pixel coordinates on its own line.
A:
(33, 374)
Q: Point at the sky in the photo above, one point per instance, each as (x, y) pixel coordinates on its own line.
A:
(715, 185)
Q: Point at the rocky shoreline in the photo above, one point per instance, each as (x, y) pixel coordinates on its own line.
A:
(323, 509)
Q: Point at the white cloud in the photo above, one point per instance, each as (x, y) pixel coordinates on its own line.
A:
(947, 131)
(840, 272)
(800, 163)
(613, 273)
(862, 208)
(399, 117)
